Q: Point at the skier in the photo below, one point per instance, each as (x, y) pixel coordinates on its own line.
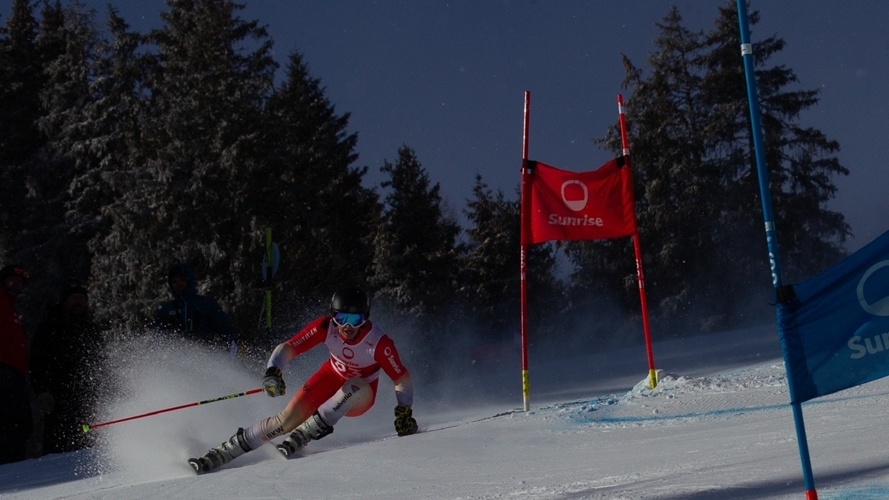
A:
(345, 385)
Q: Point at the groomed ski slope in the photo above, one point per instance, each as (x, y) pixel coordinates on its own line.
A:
(718, 426)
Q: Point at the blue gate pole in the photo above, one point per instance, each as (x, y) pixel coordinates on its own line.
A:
(771, 235)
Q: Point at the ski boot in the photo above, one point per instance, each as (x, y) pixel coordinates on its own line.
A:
(313, 428)
(222, 454)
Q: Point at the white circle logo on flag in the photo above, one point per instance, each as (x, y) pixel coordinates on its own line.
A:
(578, 204)
(880, 307)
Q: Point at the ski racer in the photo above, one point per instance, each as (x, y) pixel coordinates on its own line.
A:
(344, 386)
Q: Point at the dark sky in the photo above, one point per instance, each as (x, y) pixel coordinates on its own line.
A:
(447, 79)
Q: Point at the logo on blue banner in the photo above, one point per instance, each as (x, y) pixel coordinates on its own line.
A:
(881, 306)
(834, 328)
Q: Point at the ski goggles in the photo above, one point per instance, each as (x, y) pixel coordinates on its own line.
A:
(351, 319)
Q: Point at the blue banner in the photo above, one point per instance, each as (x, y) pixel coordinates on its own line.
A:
(834, 328)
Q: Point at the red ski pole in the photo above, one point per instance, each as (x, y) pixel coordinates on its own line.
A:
(89, 427)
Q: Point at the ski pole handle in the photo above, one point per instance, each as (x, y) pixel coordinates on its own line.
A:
(270, 263)
(89, 427)
(268, 290)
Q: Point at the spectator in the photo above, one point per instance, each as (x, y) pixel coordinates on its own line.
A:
(196, 317)
(67, 351)
(15, 401)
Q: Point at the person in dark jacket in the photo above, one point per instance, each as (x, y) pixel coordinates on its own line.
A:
(193, 316)
(15, 400)
(66, 356)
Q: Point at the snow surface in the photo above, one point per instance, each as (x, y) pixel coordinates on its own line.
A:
(718, 426)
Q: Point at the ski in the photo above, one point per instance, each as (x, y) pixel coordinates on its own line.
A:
(200, 467)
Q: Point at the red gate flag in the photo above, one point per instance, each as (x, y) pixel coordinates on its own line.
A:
(596, 205)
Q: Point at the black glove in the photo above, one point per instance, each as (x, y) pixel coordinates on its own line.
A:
(405, 424)
(273, 382)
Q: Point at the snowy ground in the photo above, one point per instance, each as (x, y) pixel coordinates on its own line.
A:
(718, 426)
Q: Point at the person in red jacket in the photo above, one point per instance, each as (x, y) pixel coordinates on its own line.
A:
(344, 386)
(15, 401)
